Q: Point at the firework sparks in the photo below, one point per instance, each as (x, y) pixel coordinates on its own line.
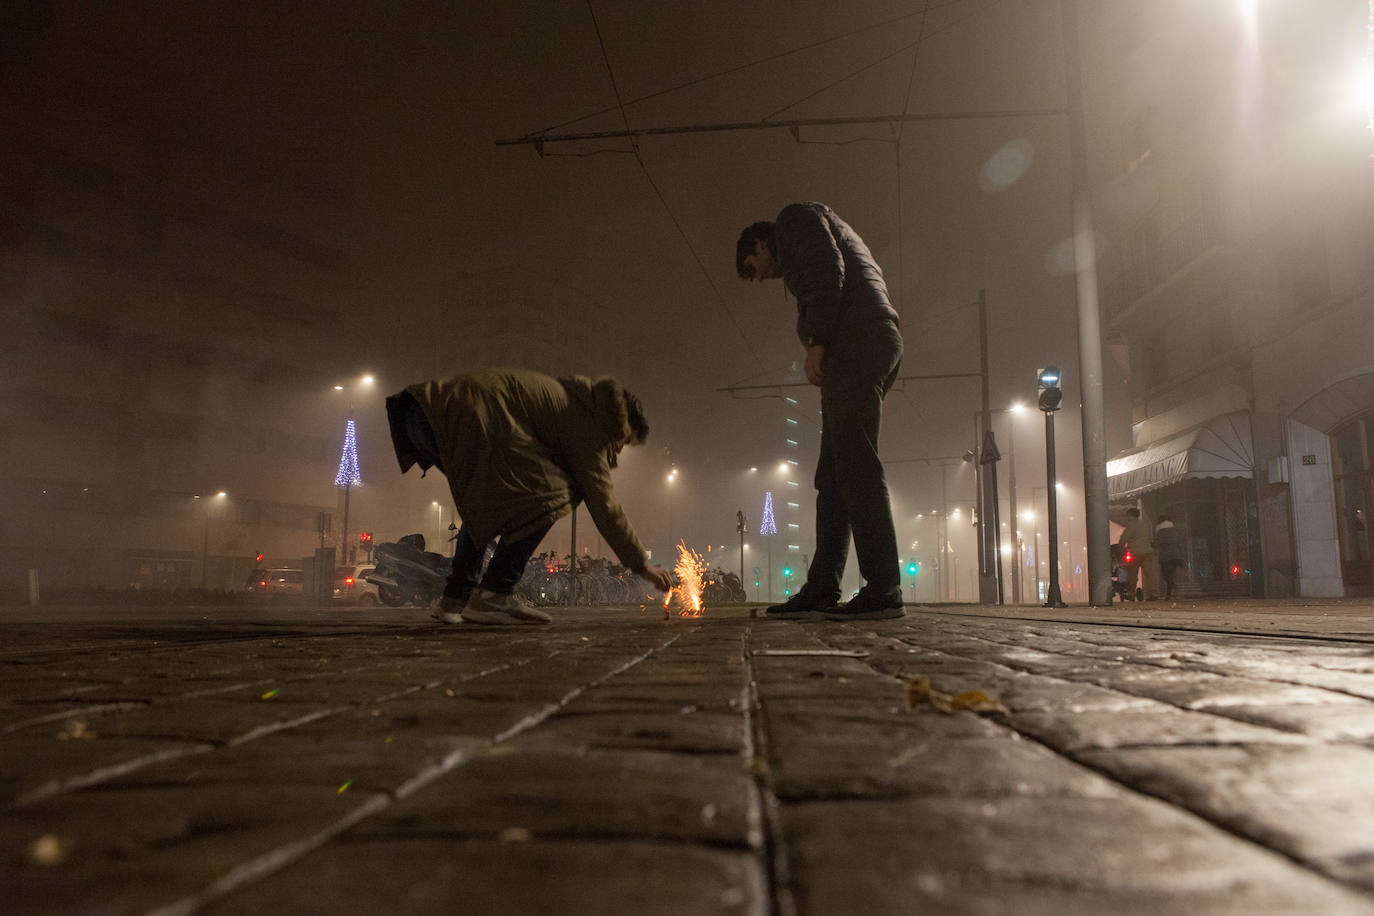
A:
(691, 571)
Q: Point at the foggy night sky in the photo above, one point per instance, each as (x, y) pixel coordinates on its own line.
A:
(401, 105)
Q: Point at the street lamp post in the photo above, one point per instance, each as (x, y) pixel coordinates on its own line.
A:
(205, 545)
(1047, 380)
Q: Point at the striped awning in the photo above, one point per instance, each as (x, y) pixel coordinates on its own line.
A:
(1221, 447)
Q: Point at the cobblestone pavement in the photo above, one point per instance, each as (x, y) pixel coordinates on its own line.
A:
(299, 760)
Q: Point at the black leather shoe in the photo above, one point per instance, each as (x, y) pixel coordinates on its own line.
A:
(802, 606)
(869, 605)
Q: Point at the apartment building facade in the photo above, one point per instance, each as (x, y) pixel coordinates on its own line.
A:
(1233, 192)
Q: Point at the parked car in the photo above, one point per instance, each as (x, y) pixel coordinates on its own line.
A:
(276, 581)
(351, 586)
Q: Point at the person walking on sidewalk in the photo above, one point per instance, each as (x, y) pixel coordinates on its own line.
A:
(1138, 539)
(1170, 553)
(853, 351)
(520, 450)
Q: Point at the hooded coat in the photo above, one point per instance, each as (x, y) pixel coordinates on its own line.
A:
(520, 449)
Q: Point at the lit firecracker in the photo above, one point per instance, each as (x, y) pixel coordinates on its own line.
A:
(690, 569)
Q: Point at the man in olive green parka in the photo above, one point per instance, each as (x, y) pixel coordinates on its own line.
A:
(520, 449)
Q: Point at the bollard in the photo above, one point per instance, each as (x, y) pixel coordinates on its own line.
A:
(33, 586)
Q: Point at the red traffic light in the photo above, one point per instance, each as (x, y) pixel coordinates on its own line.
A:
(365, 536)
(258, 558)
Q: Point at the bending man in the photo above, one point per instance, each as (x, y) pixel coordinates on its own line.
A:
(520, 450)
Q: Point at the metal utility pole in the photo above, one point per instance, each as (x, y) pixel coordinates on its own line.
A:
(572, 558)
(987, 574)
(1089, 330)
(1011, 494)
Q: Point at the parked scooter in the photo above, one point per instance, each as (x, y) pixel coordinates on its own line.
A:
(407, 572)
(1121, 570)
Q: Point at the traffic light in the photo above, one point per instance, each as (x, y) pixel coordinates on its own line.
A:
(787, 572)
(1047, 382)
(913, 567)
(258, 558)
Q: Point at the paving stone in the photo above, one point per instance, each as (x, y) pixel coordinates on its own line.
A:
(831, 763)
(697, 732)
(1207, 690)
(372, 761)
(602, 795)
(1047, 855)
(443, 876)
(1316, 803)
(1337, 722)
(40, 763)
(181, 840)
(1071, 732)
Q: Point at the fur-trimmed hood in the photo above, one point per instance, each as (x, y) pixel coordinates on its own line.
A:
(605, 398)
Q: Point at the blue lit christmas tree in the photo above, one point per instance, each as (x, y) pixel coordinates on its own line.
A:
(348, 475)
(768, 525)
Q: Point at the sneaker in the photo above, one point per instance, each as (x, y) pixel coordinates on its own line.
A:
(803, 605)
(867, 605)
(447, 609)
(501, 610)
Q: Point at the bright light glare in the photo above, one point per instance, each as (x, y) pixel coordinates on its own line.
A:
(338, 387)
(954, 514)
(783, 467)
(221, 494)
(1017, 407)
(368, 380)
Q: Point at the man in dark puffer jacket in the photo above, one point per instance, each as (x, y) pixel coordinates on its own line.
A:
(853, 351)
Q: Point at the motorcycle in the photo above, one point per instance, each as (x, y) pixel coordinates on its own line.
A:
(405, 571)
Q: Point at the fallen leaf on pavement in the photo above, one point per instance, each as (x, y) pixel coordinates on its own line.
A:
(919, 690)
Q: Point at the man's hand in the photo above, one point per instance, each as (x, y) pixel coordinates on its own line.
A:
(814, 354)
(658, 576)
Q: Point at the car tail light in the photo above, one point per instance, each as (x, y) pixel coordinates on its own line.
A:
(348, 580)
(1128, 556)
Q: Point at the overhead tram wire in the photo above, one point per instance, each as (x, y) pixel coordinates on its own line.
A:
(658, 192)
(897, 166)
(742, 67)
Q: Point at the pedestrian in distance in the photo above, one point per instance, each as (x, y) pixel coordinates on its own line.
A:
(853, 351)
(520, 450)
(1138, 539)
(1170, 553)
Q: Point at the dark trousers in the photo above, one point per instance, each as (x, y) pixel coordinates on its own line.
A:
(851, 489)
(507, 564)
(1170, 570)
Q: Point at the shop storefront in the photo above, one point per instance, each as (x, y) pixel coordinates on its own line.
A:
(1200, 478)
(1351, 446)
